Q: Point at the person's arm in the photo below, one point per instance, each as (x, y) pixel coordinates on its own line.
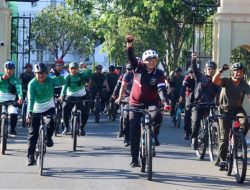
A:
(117, 88)
(18, 88)
(31, 96)
(122, 91)
(131, 57)
(183, 89)
(105, 83)
(65, 86)
(217, 77)
(197, 73)
(162, 90)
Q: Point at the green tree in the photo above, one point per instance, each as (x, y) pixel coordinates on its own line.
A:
(58, 28)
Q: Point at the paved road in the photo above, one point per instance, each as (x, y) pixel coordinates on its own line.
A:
(101, 162)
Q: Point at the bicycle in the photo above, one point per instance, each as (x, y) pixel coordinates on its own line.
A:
(147, 142)
(4, 124)
(24, 112)
(208, 135)
(179, 109)
(58, 116)
(41, 142)
(237, 149)
(75, 120)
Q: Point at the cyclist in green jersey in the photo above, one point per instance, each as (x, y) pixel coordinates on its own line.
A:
(73, 89)
(10, 87)
(40, 103)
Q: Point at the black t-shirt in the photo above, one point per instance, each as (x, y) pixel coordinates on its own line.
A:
(112, 80)
(98, 80)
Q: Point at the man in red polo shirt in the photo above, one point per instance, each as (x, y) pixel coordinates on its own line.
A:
(148, 91)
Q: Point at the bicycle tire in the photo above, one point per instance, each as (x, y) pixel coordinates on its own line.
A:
(97, 111)
(57, 121)
(202, 142)
(142, 153)
(230, 155)
(240, 144)
(75, 128)
(41, 149)
(3, 135)
(213, 142)
(149, 154)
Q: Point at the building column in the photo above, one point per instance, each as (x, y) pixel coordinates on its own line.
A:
(5, 33)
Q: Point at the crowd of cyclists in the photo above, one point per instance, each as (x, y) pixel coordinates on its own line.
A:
(142, 86)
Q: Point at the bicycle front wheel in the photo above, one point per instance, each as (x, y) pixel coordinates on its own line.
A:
(41, 150)
(240, 158)
(75, 127)
(24, 113)
(213, 141)
(202, 142)
(149, 159)
(4, 134)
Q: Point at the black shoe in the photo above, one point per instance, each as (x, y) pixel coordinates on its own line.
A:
(222, 166)
(194, 144)
(126, 143)
(187, 136)
(83, 133)
(49, 142)
(30, 161)
(134, 164)
(157, 143)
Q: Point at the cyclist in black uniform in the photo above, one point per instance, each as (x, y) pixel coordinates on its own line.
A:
(25, 78)
(100, 86)
(204, 91)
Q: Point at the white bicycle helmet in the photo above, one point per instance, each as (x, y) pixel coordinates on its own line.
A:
(149, 54)
(104, 70)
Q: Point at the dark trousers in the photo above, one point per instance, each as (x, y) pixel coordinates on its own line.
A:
(34, 129)
(197, 114)
(225, 125)
(187, 119)
(67, 108)
(13, 120)
(135, 127)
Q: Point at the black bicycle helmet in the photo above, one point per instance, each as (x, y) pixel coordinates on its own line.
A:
(211, 64)
(238, 66)
(178, 70)
(40, 68)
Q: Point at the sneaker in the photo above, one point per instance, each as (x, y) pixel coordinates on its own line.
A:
(222, 166)
(83, 133)
(134, 164)
(30, 161)
(49, 142)
(66, 131)
(13, 133)
(157, 143)
(194, 144)
(126, 143)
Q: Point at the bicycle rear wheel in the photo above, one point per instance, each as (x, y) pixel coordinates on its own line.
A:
(149, 154)
(213, 141)
(41, 150)
(142, 153)
(178, 119)
(75, 127)
(202, 142)
(240, 158)
(4, 134)
(57, 121)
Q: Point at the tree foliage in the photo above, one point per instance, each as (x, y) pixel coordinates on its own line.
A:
(58, 28)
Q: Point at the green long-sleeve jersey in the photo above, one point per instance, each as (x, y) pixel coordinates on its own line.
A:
(5, 94)
(41, 95)
(75, 85)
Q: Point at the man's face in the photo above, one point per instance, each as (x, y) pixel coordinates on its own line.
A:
(98, 70)
(151, 63)
(41, 76)
(59, 67)
(209, 71)
(28, 69)
(238, 74)
(9, 72)
(73, 71)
